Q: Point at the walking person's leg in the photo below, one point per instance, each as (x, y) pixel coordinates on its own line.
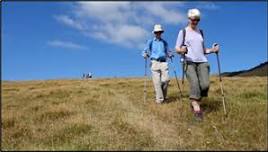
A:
(156, 76)
(195, 92)
(164, 78)
(203, 70)
(165, 89)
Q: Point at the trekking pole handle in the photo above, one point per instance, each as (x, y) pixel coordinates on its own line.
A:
(215, 44)
(186, 50)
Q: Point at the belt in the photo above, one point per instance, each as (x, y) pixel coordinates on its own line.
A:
(159, 60)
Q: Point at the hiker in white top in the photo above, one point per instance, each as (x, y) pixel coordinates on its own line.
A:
(190, 44)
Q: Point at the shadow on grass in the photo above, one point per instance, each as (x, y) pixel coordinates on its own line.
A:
(172, 99)
(211, 105)
(176, 98)
(208, 104)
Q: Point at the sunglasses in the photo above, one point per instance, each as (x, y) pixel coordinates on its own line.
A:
(195, 20)
(160, 32)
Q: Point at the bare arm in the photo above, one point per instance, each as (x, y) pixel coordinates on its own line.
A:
(181, 50)
(215, 48)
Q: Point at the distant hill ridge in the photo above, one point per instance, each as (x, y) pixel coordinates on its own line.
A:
(260, 70)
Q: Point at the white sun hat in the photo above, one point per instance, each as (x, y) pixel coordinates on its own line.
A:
(194, 13)
(157, 28)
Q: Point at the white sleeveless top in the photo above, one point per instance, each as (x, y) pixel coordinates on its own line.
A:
(194, 43)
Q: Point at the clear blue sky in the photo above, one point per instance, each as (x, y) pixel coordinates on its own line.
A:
(58, 40)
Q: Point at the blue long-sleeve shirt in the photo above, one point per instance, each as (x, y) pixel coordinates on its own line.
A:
(157, 48)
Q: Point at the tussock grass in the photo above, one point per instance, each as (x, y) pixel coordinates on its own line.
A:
(110, 114)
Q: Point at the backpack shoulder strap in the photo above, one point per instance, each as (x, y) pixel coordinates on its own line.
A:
(150, 45)
(202, 34)
(165, 42)
(183, 38)
(165, 45)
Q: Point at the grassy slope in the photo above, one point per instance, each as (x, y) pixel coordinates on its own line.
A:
(110, 114)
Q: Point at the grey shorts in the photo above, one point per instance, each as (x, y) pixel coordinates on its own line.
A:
(198, 77)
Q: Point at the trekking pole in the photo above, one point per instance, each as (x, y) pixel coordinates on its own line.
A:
(176, 79)
(183, 68)
(145, 80)
(222, 93)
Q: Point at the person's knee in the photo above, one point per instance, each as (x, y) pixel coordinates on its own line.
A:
(157, 83)
(195, 89)
(194, 83)
(165, 79)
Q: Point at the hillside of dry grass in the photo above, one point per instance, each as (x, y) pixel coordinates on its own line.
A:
(259, 70)
(110, 114)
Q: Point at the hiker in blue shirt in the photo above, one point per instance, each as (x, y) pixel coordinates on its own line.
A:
(157, 50)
